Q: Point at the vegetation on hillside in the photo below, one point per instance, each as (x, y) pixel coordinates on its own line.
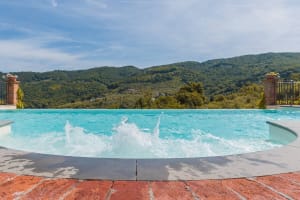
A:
(249, 96)
(226, 84)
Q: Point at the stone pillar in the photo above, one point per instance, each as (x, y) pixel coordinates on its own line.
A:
(12, 86)
(270, 88)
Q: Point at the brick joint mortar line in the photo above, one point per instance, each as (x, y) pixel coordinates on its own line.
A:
(150, 191)
(189, 189)
(270, 188)
(241, 197)
(69, 190)
(110, 191)
(19, 195)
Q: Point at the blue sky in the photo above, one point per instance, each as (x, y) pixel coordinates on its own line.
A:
(43, 35)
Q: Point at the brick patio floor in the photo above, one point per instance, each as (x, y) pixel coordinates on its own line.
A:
(282, 186)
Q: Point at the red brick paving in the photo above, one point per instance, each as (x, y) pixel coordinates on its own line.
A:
(212, 189)
(124, 190)
(50, 188)
(281, 186)
(6, 177)
(17, 186)
(86, 190)
(170, 190)
(295, 177)
(252, 190)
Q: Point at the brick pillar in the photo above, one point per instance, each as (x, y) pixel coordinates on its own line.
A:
(270, 88)
(12, 86)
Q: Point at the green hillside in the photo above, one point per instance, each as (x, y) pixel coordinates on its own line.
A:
(110, 87)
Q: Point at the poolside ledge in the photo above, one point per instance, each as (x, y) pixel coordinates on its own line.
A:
(8, 107)
(5, 127)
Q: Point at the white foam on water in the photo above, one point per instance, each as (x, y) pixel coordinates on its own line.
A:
(127, 140)
(79, 142)
(156, 129)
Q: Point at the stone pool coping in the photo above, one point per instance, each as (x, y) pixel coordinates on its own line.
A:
(4, 123)
(8, 107)
(284, 159)
(5, 127)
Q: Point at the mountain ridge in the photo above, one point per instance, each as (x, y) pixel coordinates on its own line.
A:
(219, 76)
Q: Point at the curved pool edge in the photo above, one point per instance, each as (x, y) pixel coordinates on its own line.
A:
(274, 161)
(5, 127)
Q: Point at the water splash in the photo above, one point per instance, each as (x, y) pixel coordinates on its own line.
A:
(156, 129)
(127, 140)
(68, 129)
(78, 142)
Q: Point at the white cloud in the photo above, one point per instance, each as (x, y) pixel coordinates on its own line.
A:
(25, 50)
(175, 30)
(152, 32)
(34, 55)
(194, 29)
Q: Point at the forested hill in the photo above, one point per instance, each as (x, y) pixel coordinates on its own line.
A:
(126, 84)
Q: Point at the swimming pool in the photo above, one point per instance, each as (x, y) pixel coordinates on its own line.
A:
(142, 133)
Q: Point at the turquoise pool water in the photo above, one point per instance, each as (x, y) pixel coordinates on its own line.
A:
(142, 133)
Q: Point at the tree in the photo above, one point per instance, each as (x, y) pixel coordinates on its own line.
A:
(164, 102)
(146, 101)
(191, 95)
(262, 102)
(20, 97)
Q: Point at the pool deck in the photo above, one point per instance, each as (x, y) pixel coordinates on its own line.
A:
(271, 174)
(282, 186)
